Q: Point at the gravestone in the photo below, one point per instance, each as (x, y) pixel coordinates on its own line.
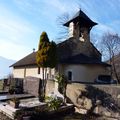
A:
(31, 85)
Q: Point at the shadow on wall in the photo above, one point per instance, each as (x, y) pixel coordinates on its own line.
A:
(99, 97)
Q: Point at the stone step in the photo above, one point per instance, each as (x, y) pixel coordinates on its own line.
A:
(7, 110)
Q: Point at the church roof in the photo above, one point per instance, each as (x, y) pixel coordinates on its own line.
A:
(68, 53)
(81, 16)
(72, 46)
(26, 61)
(82, 59)
(77, 59)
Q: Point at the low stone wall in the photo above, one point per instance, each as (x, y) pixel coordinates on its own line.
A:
(103, 99)
(111, 90)
(31, 85)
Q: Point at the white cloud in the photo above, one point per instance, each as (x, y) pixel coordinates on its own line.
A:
(13, 30)
(28, 6)
(114, 24)
(15, 34)
(13, 26)
(103, 28)
(12, 50)
(57, 4)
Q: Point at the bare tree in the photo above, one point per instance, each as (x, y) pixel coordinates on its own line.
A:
(111, 47)
(60, 22)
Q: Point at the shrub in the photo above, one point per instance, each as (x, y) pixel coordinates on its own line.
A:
(54, 103)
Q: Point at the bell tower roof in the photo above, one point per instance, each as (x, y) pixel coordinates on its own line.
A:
(81, 17)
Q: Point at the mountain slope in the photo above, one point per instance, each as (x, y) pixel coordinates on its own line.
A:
(4, 66)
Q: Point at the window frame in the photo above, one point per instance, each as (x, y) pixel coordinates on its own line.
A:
(71, 75)
(38, 70)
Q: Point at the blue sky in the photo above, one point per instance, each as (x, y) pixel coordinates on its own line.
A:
(22, 21)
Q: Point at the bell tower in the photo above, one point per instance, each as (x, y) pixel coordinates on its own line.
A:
(80, 26)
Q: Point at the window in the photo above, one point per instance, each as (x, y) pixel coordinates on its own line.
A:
(47, 76)
(38, 70)
(69, 75)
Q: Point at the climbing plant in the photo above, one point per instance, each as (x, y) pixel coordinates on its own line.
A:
(62, 84)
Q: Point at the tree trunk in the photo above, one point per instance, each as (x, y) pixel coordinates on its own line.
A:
(43, 83)
(111, 71)
(43, 76)
(115, 71)
(64, 95)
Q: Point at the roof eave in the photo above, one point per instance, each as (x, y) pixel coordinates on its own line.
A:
(24, 65)
(91, 23)
(73, 63)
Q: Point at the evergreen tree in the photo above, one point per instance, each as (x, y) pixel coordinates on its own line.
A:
(46, 57)
(52, 55)
(43, 48)
(42, 58)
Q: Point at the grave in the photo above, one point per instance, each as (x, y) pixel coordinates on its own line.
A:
(31, 85)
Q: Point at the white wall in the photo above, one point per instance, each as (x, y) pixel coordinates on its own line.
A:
(18, 73)
(21, 72)
(85, 73)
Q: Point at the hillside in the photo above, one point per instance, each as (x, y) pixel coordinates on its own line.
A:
(4, 66)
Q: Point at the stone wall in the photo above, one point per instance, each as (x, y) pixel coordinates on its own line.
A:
(112, 90)
(102, 99)
(50, 87)
(31, 85)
